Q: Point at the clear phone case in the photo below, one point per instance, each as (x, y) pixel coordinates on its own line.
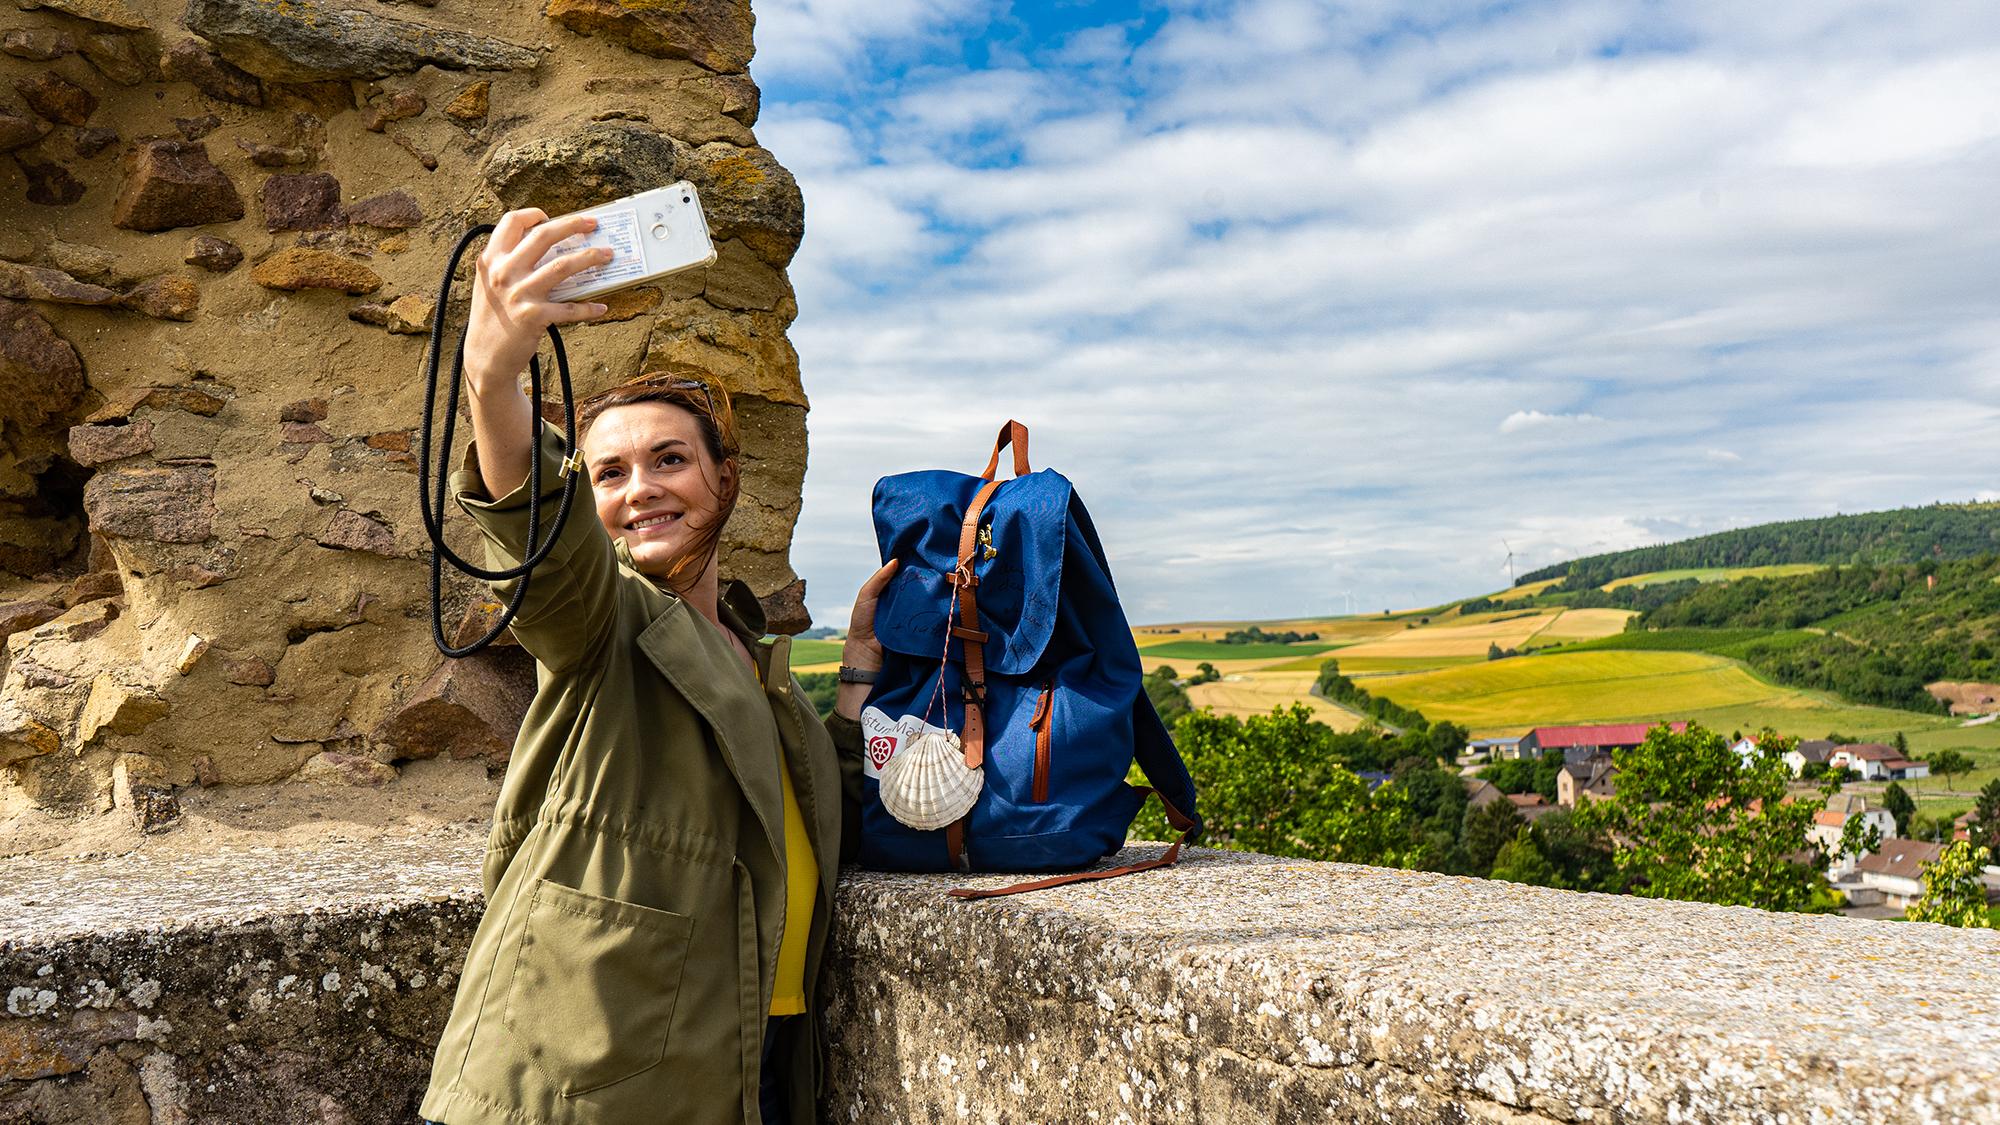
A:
(653, 234)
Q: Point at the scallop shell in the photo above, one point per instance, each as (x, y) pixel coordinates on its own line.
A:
(927, 784)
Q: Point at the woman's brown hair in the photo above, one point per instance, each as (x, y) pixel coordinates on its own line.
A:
(709, 403)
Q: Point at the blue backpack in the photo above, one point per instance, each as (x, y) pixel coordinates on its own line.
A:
(1002, 628)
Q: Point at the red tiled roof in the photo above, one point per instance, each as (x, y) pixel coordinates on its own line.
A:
(1526, 800)
(1870, 751)
(1612, 734)
(1828, 816)
(1897, 764)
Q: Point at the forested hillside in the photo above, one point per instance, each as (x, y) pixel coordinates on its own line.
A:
(1905, 535)
(1880, 633)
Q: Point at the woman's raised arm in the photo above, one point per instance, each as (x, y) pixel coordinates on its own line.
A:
(511, 311)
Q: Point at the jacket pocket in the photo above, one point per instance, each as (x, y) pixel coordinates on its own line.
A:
(593, 992)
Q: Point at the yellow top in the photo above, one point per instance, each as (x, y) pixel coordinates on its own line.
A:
(788, 995)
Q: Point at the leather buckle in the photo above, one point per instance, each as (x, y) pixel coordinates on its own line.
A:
(973, 693)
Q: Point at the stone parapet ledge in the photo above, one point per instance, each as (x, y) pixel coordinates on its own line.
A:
(309, 985)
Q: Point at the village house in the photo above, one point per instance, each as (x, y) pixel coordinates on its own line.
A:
(1829, 827)
(1813, 751)
(1531, 806)
(1480, 792)
(1583, 742)
(1494, 749)
(1892, 877)
(1876, 762)
(1593, 777)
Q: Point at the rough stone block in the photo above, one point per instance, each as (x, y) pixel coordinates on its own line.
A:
(172, 184)
(305, 201)
(42, 372)
(596, 164)
(18, 130)
(170, 296)
(399, 106)
(50, 184)
(33, 283)
(120, 58)
(747, 194)
(349, 530)
(218, 255)
(471, 104)
(392, 210)
(190, 60)
(714, 34)
(300, 267)
(24, 736)
(37, 44)
(167, 504)
(315, 41)
(115, 13)
(330, 767)
(467, 708)
(57, 98)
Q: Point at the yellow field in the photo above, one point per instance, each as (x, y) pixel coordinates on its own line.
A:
(1453, 639)
(1576, 687)
(1256, 693)
(1524, 591)
(1585, 625)
(1336, 630)
(1715, 574)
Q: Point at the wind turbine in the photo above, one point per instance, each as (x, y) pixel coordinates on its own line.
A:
(1510, 562)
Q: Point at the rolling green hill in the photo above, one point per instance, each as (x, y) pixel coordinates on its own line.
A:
(1904, 535)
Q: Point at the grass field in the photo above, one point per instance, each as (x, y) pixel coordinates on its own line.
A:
(815, 656)
(1527, 590)
(1720, 642)
(1574, 688)
(1216, 650)
(1583, 625)
(1715, 574)
(1256, 693)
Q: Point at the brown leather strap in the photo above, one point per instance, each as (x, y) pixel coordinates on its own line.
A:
(966, 579)
(1043, 724)
(1015, 434)
(954, 844)
(1174, 818)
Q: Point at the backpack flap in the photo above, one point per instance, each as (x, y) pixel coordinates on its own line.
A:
(918, 519)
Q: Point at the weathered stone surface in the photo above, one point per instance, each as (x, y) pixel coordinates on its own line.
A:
(330, 767)
(306, 201)
(192, 399)
(50, 184)
(350, 530)
(408, 314)
(399, 106)
(275, 156)
(392, 210)
(115, 13)
(254, 671)
(191, 60)
(118, 708)
(120, 58)
(303, 433)
(299, 267)
(139, 787)
(18, 616)
(304, 410)
(195, 128)
(42, 372)
(18, 130)
(90, 446)
(467, 708)
(95, 586)
(86, 263)
(739, 279)
(479, 619)
(747, 194)
(172, 184)
(309, 40)
(785, 610)
(32, 283)
(168, 504)
(57, 98)
(37, 44)
(596, 164)
(710, 33)
(94, 139)
(170, 296)
(211, 253)
(394, 440)
(471, 104)
(24, 736)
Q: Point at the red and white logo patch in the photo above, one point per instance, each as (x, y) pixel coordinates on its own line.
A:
(882, 736)
(879, 750)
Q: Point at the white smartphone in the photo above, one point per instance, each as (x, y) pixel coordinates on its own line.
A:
(653, 234)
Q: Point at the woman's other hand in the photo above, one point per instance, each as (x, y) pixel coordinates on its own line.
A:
(862, 650)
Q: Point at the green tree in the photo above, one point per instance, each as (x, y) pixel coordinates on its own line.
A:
(1274, 784)
(1945, 763)
(1169, 698)
(1519, 861)
(1858, 838)
(1984, 826)
(1204, 673)
(1953, 895)
(1694, 822)
(1900, 805)
(1487, 829)
(1513, 775)
(1582, 856)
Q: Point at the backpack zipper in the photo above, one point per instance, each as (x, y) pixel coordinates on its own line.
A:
(1043, 723)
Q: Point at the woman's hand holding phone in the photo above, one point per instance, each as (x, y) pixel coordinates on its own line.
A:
(862, 650)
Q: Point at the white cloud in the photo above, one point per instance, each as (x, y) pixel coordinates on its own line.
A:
(1536, 420)
(1262, 283)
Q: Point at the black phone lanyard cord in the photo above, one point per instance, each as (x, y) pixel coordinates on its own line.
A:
(431, 499)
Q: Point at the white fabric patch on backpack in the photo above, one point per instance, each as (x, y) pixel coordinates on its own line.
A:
(882, 736)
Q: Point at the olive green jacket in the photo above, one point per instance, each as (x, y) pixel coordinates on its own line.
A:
(635, 876)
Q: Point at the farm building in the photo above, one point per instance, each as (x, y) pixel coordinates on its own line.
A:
(1593, 777)
(1585, 742)
(1812, 751)
(1876, 762)
(1531, 806)
(1495, 749)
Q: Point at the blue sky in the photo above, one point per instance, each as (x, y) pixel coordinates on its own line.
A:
(1314, 299)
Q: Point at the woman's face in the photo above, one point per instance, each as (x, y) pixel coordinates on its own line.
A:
(653, 478)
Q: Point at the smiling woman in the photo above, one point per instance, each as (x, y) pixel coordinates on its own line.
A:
(647, 473)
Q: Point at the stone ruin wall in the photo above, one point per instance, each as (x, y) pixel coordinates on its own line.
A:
(221, 231)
